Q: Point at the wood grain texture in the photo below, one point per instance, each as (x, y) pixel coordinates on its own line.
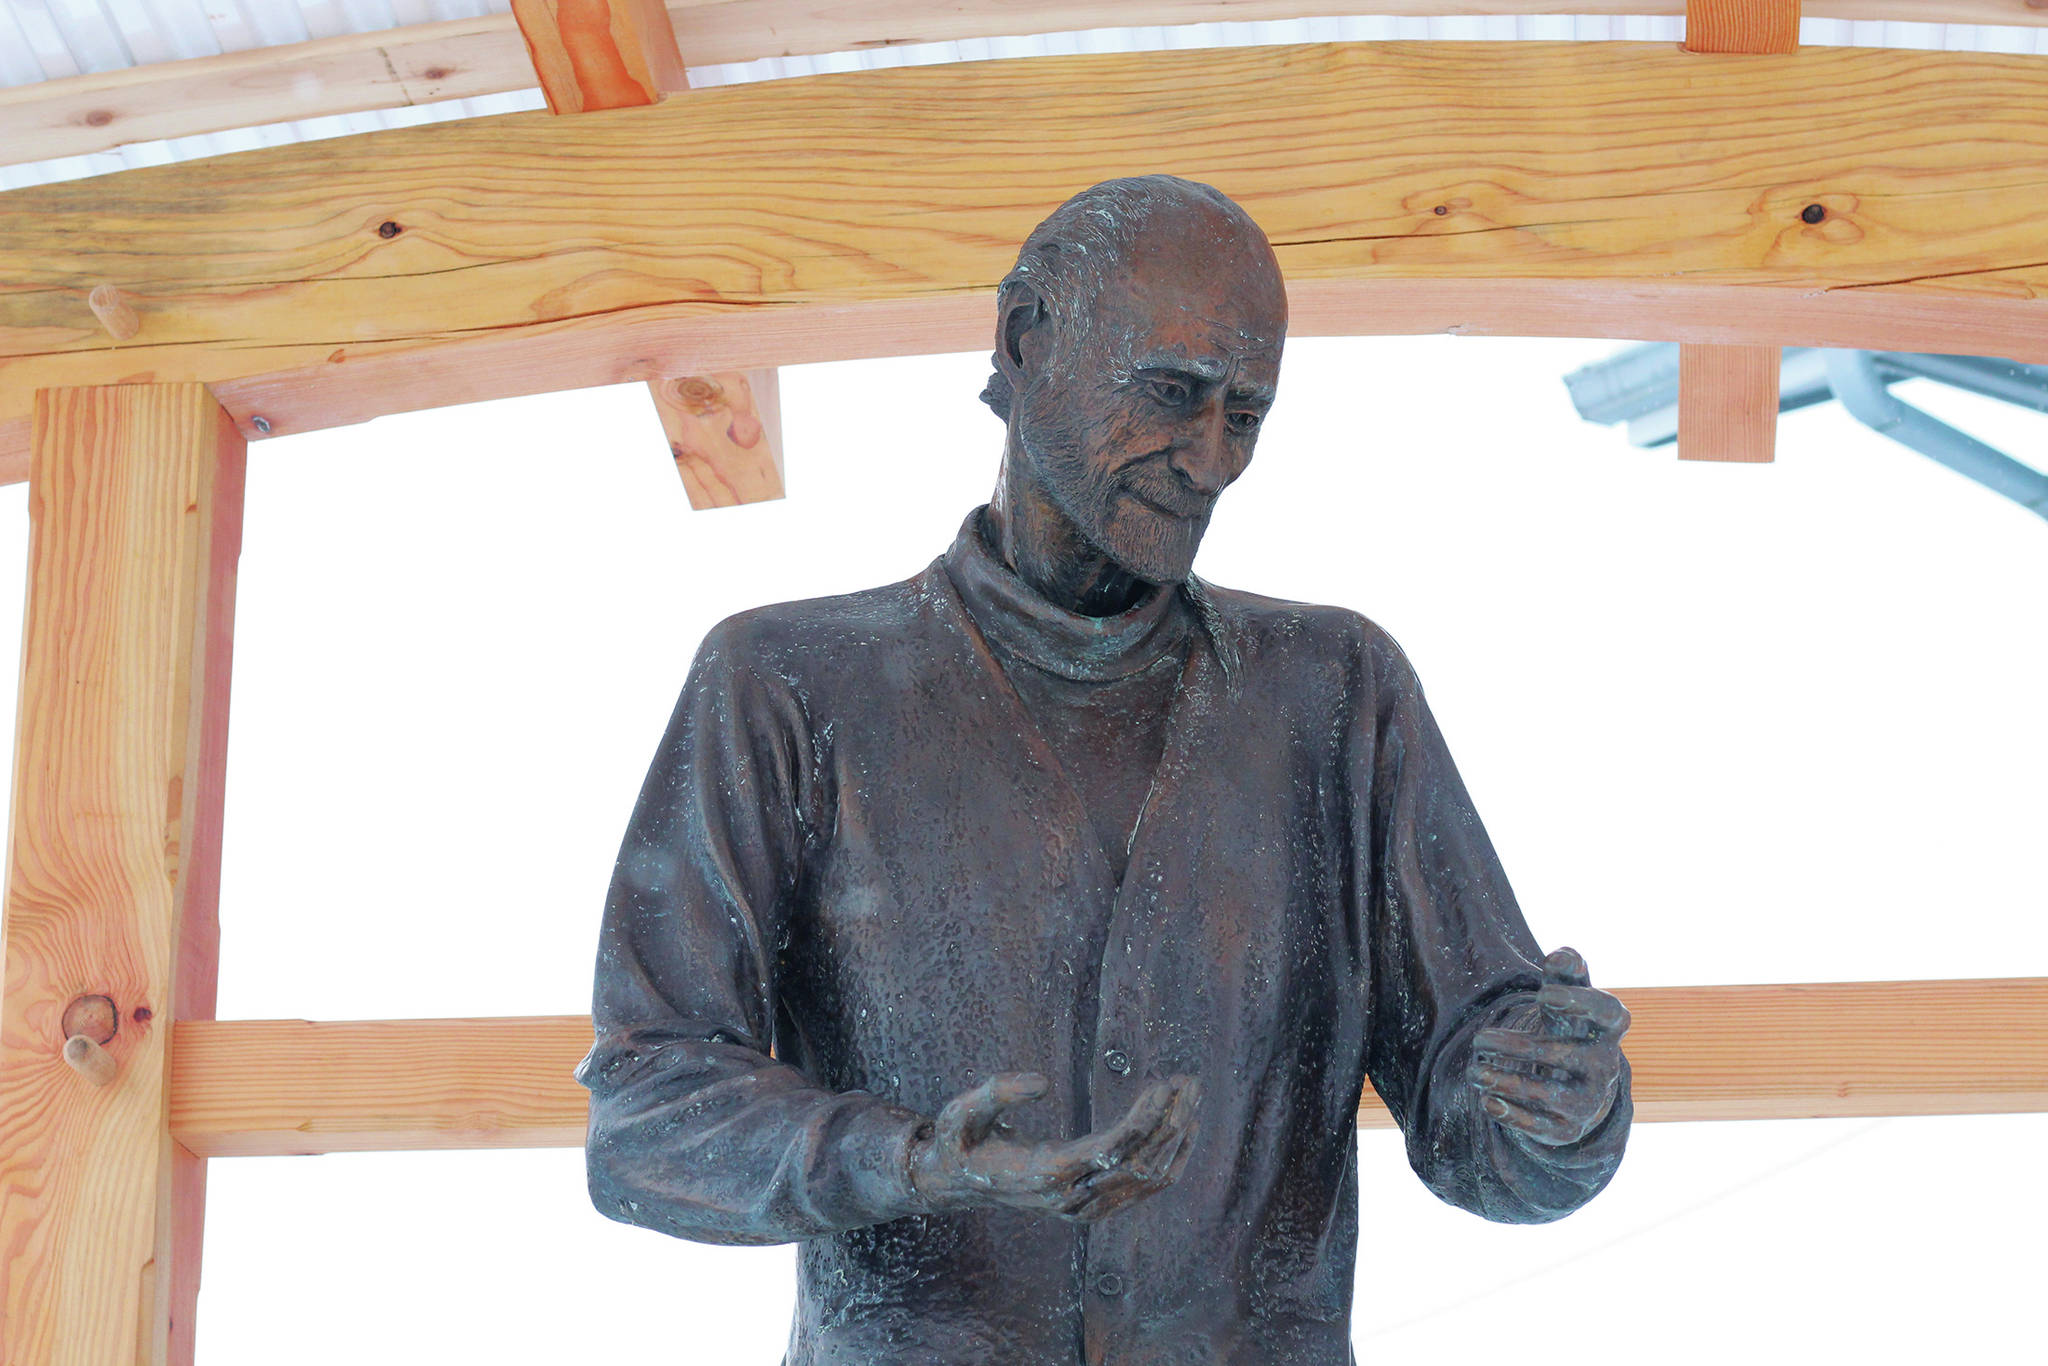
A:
(725, 434)
(348, 74)
(600, 54)
(1749, 26)
(135, 512)
(1586, 189)
(256, 1087)
(253, 1087)
(1728, 403)
(459, 59)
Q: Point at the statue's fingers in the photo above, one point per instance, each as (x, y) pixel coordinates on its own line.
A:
(1110, 1146)
(1106, 1192)
(959, 1112)
(1530, 1093)
(1582, 1012)
(1156, 1158)
(1513, 1050)
(1567, 967)
(1544, 1128)
(1180, 1159)
(1179, 1116)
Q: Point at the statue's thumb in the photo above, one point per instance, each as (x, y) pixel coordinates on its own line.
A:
(1566, 967)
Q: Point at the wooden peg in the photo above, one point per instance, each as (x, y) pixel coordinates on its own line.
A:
(115, 313)
(89, 1060)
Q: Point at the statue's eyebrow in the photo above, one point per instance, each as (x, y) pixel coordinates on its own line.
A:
(1206, 368)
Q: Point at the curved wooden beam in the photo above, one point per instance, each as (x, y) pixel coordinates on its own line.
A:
(1573, 189)
(465, 58)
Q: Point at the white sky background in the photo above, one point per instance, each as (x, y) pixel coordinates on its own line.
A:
(1725, 724)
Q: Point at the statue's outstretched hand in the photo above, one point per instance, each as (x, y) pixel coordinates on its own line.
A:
(973, 1160)
(1554, 1080)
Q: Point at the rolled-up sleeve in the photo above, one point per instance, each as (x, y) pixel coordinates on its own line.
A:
(695, 1129)
(1450, 955)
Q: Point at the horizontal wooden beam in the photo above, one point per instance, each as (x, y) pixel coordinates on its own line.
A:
(1566, 189)
(258, 1087)
(357, 72)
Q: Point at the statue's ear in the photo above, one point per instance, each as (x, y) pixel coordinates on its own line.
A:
(1020, 334)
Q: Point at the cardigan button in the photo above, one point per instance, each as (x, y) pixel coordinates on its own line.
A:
(1118, 1061)
(1109, 1285)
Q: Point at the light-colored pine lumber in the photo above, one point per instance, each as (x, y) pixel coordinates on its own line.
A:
(725, 434)
(255, 1087)
(1742, 26)
(1728, 403)
(135, 509)
(601, 54)
(262, 1087)
(1587, 189)
(348, 74)
(463, 58)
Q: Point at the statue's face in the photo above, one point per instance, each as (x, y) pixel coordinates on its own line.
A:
(1134, 419)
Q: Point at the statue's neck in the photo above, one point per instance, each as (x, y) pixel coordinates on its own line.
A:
(1043, 547)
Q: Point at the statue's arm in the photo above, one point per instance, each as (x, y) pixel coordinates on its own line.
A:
(1452, 955)
(695, 1130)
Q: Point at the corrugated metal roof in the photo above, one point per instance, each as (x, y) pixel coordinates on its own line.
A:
(44, 40)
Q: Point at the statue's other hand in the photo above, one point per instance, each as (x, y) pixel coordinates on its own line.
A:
(1555, 1079)
(971, 1160)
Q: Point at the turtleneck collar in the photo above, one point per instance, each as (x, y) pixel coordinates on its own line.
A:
(1020, 623)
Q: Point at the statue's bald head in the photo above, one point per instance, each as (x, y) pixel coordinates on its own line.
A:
(1138, 348)
(1095, 237)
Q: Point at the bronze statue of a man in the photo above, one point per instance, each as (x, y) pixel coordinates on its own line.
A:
(1019, 937)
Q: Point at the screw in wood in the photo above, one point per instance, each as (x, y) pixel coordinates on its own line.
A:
(261, 424)
(1812, 213)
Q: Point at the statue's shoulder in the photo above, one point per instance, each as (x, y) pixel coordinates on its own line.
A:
(1280, 632)
(830, 634)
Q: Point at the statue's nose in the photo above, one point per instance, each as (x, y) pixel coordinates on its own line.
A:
(1204, 457)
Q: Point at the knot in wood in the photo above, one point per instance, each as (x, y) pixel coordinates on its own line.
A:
(698, 395)
(93, 1016)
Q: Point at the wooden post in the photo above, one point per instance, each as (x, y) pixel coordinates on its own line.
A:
(1728, 403)
(1741, 25)
(135, 508)
(725, 432)
(601, 54)
(1728, 395)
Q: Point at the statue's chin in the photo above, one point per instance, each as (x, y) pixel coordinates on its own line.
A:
(1151, 545)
